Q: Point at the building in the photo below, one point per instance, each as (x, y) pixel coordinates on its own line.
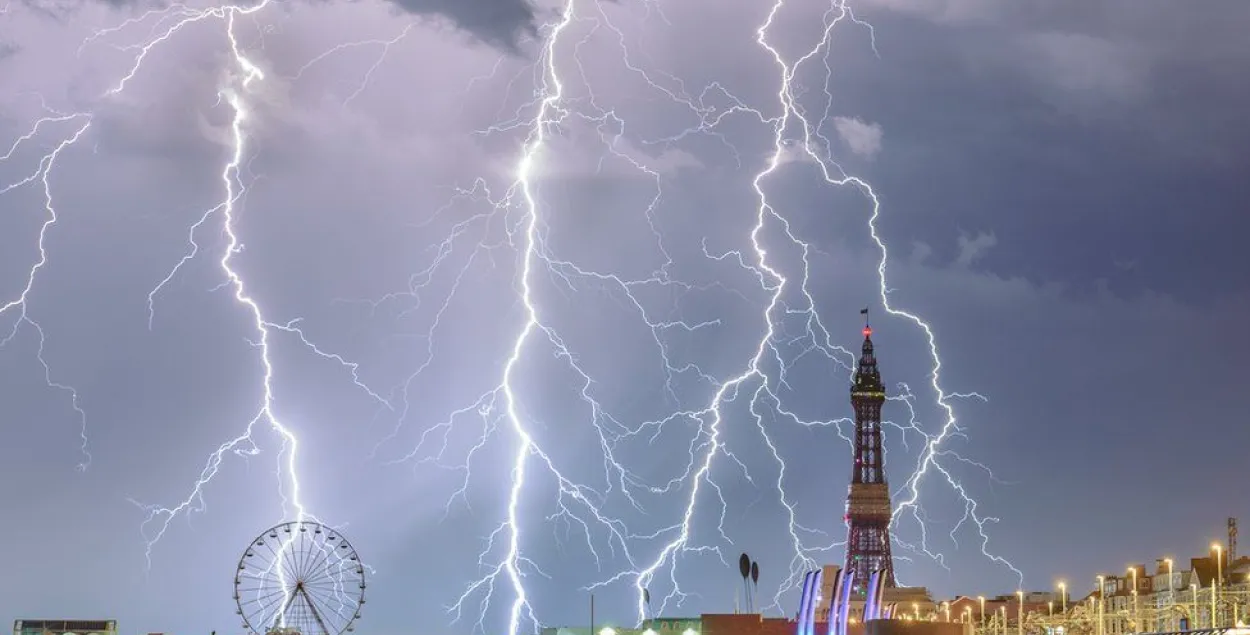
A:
(65, 627)
(756, 624)
(656, 626)
(1210, 592)
(868, 509)
(868, 498)
(1000, 610)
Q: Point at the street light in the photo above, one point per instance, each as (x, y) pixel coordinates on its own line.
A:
(1063, 597)
(1171, 586)
(1219, 573)
(981, 599)
(1002, 608)
(1133, 570)
(1020, 614)
(1102, 604)
(1194, 588)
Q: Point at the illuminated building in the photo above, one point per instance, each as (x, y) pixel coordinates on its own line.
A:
(868, 501)
(656, 626)
(868, 510)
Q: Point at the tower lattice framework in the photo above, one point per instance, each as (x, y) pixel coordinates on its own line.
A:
(868, 501)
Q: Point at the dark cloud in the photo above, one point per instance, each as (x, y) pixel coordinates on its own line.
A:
(502, 23)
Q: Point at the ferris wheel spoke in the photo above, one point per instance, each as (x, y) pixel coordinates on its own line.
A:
(336, 590)
(307, 564)
(322, 575)
(312, 608)
(259, 594)
(287, 560)
(268, 606)
(331, 594)
(264, 598)
(274, 563)
(328, 554)
(302, 555)
(323, 598)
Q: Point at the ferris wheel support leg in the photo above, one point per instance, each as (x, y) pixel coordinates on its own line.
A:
(313, 608)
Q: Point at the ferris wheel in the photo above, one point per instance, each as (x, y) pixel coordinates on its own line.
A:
(299, 576)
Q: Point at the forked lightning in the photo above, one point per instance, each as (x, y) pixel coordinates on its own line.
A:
(652, 555)
(756, 378)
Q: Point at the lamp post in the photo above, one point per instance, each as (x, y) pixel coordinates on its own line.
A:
(1102, 605)
(1171, 587)
(1134, 621)
(1063, 597)
(1215, 584)
(1133, 571)
(1002, 608)
(1020, 614)
(1194, 588)
(981, 599)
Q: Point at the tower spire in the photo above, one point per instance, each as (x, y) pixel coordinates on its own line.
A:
(868, 501)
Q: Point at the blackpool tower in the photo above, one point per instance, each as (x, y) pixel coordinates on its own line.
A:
(868, 502)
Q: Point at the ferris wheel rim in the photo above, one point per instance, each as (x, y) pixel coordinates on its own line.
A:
(302, 579)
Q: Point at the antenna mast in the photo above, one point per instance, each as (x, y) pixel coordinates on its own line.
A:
(1232, 539)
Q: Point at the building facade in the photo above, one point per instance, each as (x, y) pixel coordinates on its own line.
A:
(1208, 592)
(65, 627)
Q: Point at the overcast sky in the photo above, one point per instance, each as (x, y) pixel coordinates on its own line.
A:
(1062, 195)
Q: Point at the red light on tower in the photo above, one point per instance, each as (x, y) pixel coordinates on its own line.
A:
(867, 331)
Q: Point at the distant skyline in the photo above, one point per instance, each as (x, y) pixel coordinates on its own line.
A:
(383, 320)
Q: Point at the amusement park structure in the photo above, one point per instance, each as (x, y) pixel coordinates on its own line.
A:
(299, 578)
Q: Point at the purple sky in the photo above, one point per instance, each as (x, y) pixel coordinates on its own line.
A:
(1061, 188)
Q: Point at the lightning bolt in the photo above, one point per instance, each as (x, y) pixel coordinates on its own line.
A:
(791, 327)
(763, 374)
(21, 304)
(242, 80)
(244, 75)
(810, 143)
